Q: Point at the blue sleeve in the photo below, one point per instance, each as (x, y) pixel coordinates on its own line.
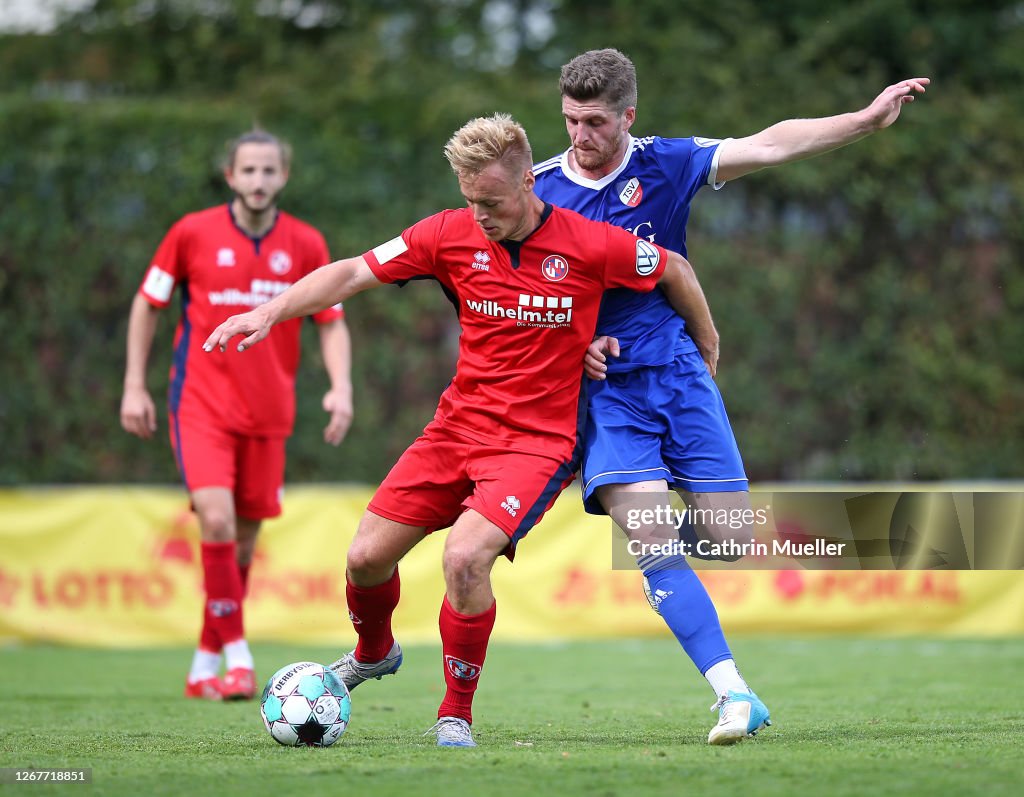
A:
(686, 162)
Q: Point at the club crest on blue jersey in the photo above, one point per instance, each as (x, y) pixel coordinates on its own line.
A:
(462, 669)
(554, 268)
(631, 192)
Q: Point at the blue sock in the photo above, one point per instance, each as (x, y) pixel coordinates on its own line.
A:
(686, 608)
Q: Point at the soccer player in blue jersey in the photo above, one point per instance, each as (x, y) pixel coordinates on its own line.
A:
(656, 417)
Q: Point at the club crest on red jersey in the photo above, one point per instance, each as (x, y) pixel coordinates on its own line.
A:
(632, 192)
(462, 669)
(554, 268)
(280, 262)
(222, 607)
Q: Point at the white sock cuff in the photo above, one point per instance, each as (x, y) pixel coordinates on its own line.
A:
(725, 677)
(236, 654)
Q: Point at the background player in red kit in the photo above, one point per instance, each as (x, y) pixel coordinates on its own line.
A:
(528, 280)
(229, 417)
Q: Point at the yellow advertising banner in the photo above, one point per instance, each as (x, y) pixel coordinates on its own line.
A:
(119, 567)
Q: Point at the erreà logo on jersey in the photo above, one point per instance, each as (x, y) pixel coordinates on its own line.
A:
(647, 257)
(632, 192)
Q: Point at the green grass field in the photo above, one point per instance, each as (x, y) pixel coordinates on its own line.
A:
(852, 716)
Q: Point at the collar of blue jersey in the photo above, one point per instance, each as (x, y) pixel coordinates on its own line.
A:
(597, 184)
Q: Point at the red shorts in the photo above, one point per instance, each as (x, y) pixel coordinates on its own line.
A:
(443, 473)
(252, 468)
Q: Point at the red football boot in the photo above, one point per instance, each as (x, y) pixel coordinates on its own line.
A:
(238, 683)
(204, 689)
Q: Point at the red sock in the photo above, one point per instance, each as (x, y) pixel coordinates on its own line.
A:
(370, 609)
(463, 647)
(243, 574)
(222, 617)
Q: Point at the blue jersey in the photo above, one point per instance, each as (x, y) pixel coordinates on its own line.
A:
(649, 194)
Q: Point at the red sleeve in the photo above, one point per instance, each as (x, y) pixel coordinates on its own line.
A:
(412, 254)
(166, 269)
(319, 256)
(633, 263)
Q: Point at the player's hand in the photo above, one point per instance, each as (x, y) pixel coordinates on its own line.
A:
(595, 362)
(254, 325)
(138, 413)
(708, 348)
(339, 404)
(885, 108)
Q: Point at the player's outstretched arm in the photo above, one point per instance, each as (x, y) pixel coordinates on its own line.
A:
(795, 139)
(681, 288)
(138, 412)
(317, 291)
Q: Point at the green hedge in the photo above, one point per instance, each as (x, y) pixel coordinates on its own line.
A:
(870, 300)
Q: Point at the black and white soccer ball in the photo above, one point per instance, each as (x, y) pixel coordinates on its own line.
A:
(305, 705)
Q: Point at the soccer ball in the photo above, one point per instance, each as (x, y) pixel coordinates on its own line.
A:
(305, 705)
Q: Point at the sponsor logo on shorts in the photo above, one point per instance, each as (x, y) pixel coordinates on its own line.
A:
(554, 268)
(464, 670)
(532, 311)
(511, 505)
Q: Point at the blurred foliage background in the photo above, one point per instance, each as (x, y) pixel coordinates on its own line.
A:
(870, 300)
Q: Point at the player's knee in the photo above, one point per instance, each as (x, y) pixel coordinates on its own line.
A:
(721, 525)
(217, 525)
(465, 568)
(365, 564)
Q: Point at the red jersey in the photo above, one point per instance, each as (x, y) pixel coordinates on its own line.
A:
(528, 312)
(223, 271)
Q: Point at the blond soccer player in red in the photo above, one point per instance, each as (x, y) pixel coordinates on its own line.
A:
(528, 279)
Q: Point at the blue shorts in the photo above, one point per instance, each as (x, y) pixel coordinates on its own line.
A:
(662, 422)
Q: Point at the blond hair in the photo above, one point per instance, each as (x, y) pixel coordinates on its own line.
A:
(486, 140)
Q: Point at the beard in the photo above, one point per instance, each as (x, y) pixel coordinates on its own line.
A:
(595, 159)
(269, 202)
